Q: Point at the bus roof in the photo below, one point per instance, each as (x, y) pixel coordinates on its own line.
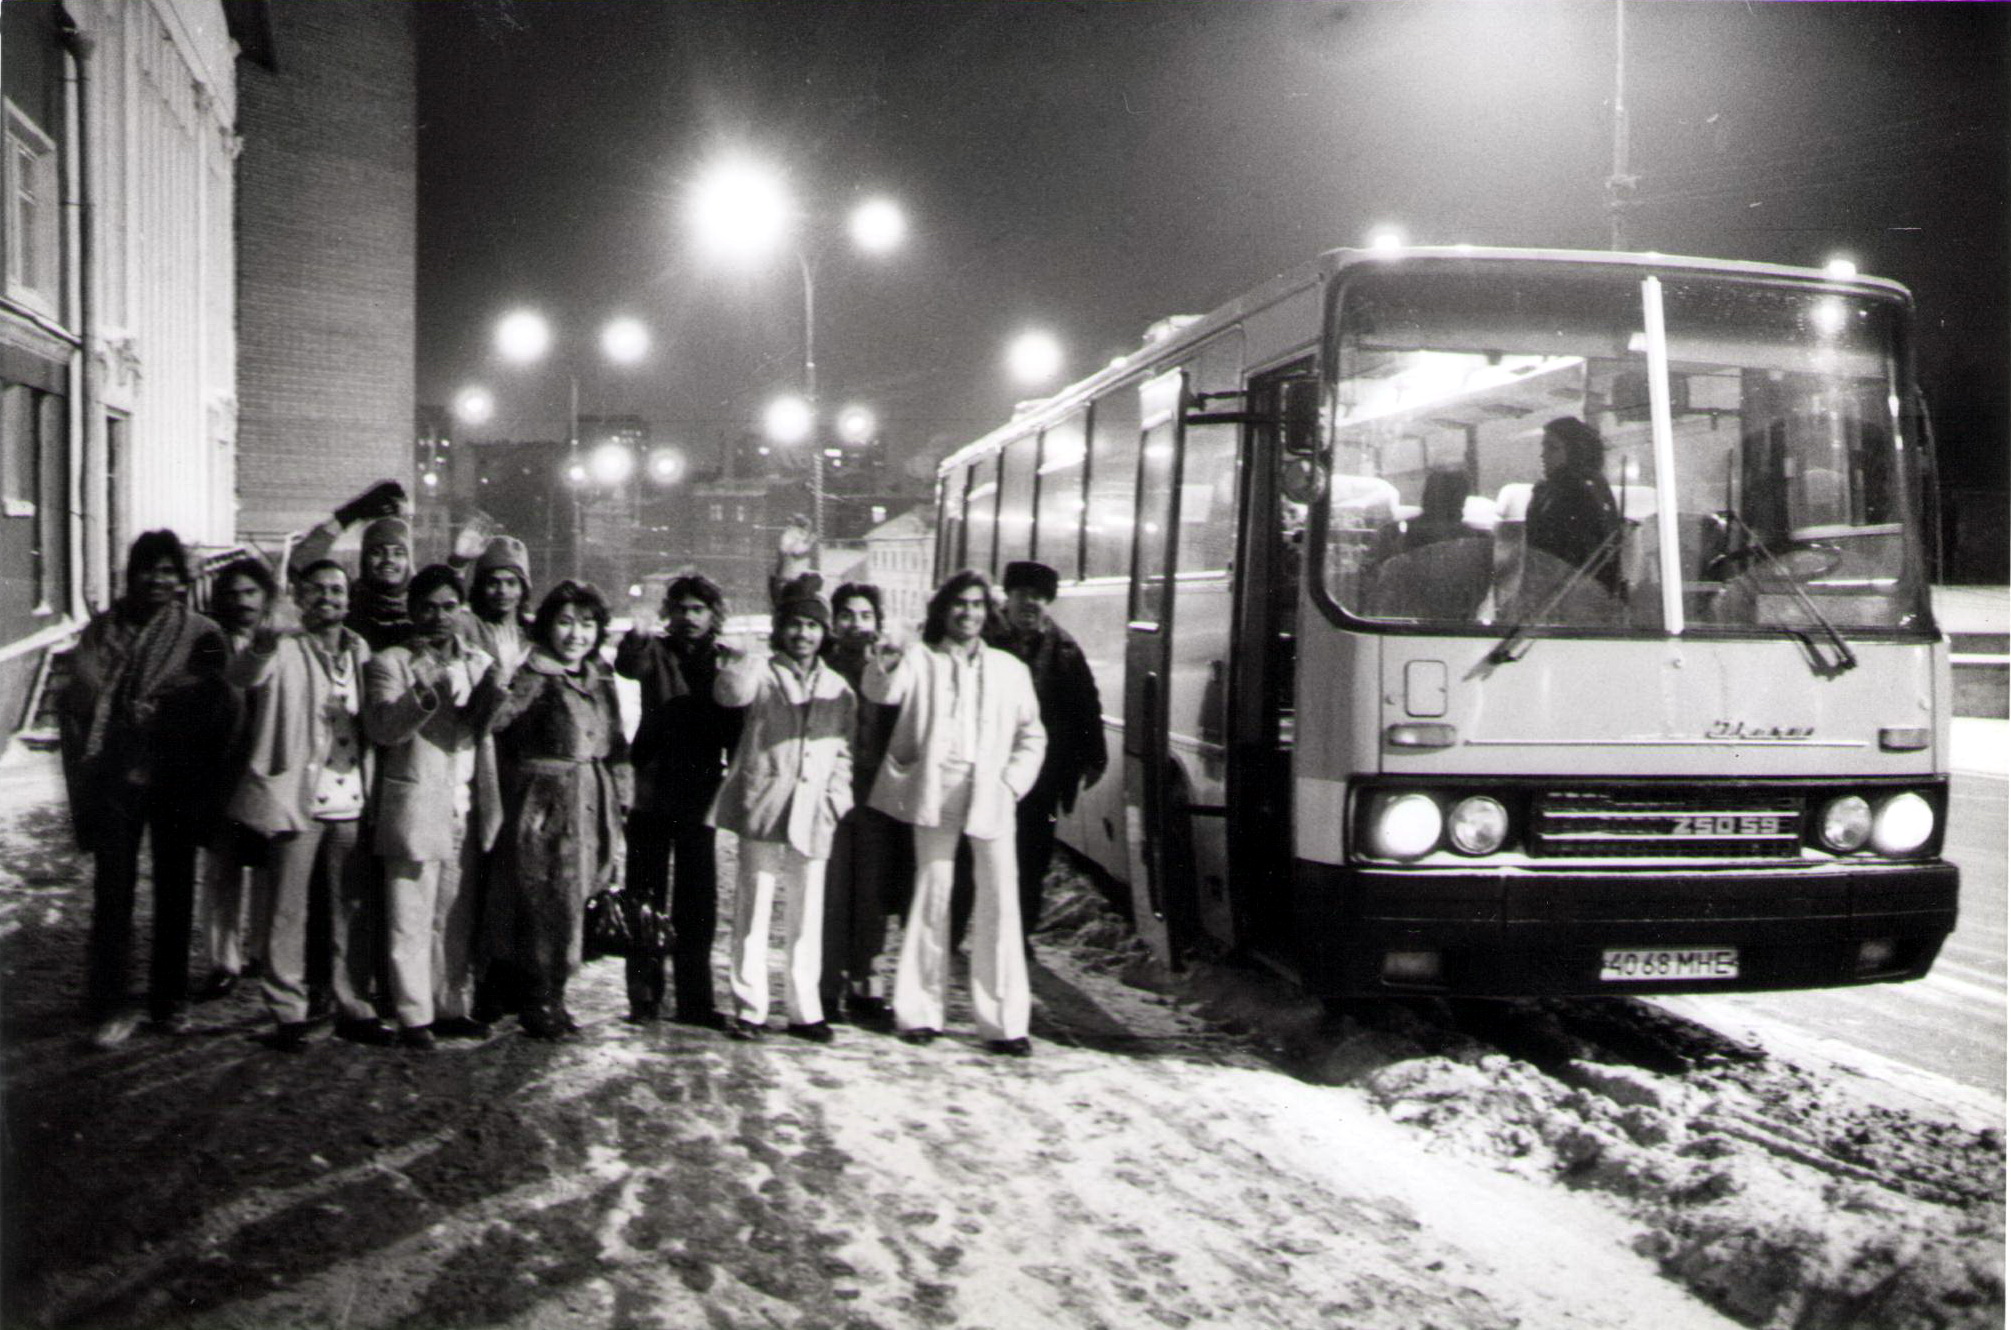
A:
(1184, 333)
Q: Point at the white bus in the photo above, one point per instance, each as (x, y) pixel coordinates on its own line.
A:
(1383, 729)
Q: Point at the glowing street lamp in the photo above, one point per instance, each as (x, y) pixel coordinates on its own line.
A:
(474, 406)
(856, 425)
(1034, 357)
(666, 465)
(742, 209)
(523, 336)
(612, 463)
(788, 420)
(624, 341)
(878, 226)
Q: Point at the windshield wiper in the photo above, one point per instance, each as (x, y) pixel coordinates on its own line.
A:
(1515, 642)
(1846, 659)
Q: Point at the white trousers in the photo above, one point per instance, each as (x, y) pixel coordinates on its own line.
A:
(999, 992)
(231, 892)
(430, 904)
(769, 868)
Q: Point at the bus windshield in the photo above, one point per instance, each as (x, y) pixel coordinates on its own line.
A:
(1493, 461)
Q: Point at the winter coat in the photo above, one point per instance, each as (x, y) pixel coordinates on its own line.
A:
(876, 722)
(421, 736)
(288, 732)
(791, 775)
(1010, 742)
(146, 706)
(1570, 515)
(566, 787)
(685, 736)
(1071, 711)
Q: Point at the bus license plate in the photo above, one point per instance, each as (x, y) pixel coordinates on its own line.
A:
(1624, 965)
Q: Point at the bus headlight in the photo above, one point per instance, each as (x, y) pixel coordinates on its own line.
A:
(1478, 825)
(1846, 824)
(1405, 826)
(1903, 824)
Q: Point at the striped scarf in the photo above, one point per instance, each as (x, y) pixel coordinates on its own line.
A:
(151, 659)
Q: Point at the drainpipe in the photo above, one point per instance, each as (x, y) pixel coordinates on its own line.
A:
(88, 488)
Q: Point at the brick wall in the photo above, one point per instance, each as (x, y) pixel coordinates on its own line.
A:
(327, 222)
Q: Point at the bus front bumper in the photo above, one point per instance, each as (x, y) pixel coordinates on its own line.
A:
(1372, 930)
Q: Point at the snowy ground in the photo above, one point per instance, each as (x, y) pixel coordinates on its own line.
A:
(1203, 1151)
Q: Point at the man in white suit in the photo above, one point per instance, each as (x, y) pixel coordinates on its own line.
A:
(968, 745)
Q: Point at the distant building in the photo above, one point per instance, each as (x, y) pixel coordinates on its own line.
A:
(900, 560)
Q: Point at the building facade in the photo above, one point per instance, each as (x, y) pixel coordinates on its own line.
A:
(327, 233)
(117, 326)
(207, 323)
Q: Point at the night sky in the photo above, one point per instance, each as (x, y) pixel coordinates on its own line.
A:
(1092, 166)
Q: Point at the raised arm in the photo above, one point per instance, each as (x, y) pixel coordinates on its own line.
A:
(396, 702)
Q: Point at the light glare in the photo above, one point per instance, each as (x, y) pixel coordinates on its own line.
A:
(474, 406)
(1840, 268)
(787, 420)
(1034, 357)
(624, 341)
(613, 463)
(1386, 240)
(523, 336)
(741, 209)
(878, 226)
(856, 425)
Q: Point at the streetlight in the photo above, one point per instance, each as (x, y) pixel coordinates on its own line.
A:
(474, 405)
(1034, 357)
(742, 209)
(856, 425)
(524, 337)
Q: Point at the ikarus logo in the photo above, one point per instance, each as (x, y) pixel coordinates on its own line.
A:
(1746, 732)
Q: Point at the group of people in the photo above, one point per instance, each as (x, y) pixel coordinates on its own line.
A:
(405, 788)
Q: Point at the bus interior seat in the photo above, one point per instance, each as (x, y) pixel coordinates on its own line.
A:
(1448, 580)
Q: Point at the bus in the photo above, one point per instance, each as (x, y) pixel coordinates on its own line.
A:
(1383, 729)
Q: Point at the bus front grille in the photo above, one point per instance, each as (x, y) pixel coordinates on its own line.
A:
(1656, 824)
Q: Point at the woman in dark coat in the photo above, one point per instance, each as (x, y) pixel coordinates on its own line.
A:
(1572, 513)
(568, 784)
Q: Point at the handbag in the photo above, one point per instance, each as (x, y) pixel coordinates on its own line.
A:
(607, 930)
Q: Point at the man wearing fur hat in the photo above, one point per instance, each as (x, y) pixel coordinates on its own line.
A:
(1071, 712)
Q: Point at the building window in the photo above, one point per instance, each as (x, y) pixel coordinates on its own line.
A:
(717, 511)
(34, 269)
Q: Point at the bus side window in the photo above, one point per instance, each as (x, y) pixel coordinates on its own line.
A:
(1113, 482)
(1016, 467)
(1057, 540)
(981, 513)
(950, 545)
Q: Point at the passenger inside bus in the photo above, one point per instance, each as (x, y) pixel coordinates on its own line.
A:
(1434, 562)
(1572, 513)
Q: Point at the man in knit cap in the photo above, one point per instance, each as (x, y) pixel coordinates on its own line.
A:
(377, 609)
(498, 593)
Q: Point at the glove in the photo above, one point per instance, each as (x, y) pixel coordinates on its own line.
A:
(384, 499)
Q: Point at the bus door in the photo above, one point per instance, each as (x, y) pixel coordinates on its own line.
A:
(1263, 657)
(1163, 923)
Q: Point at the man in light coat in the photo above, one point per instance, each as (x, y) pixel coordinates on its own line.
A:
(788, 784)
(306, 785)
(427, 705)
(967, 747)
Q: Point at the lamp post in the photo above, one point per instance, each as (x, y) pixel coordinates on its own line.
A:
(524, 337)
(742, 210)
